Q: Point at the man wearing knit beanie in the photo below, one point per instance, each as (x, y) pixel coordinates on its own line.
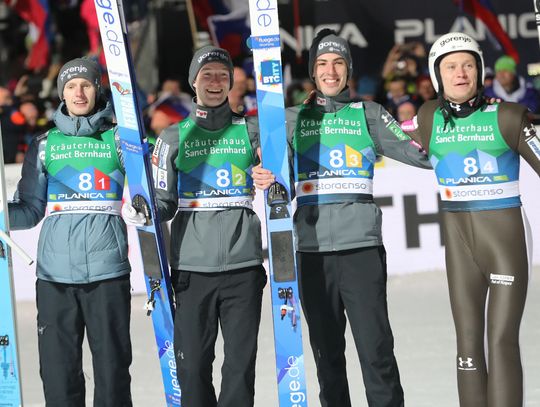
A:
(511, 87)
(79, 86)
(341, 258)
(78, 68)
(73, 176)
(204, 184)
(328, 42)
(206, 55)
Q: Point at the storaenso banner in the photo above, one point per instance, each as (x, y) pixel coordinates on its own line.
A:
(373, 31)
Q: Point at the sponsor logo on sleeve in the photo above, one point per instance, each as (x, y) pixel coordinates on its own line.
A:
(161, 179)
(531, 137)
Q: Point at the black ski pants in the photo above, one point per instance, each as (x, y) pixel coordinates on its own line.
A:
(233, 299)
(65, 311)
(352, 281)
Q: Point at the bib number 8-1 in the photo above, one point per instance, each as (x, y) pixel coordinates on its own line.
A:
(102, 181)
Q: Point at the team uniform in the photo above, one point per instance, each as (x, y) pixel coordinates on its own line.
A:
(202, 170)
(475, 150)
(75, 173)
(476, 157)
(335, 142)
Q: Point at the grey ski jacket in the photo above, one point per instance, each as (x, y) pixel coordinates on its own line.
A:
(72, 248)
(349, 225)
(212, 240)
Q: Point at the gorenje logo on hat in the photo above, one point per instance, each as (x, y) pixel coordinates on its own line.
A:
(332, 46)
(213, 56)
(455, 38)
(73, 71)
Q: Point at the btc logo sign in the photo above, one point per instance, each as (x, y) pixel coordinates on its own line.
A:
(271, 72)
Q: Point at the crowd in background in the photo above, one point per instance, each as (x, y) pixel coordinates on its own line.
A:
(28, 100)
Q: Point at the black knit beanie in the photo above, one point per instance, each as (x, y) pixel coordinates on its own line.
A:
(206, 55)
(78, 68)
(327, 41)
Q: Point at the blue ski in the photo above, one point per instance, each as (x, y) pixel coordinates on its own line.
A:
(10, 380)
(265, 42)
(137, 158)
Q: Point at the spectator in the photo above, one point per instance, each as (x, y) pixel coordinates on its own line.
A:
(424, 89)
(12, 126)
(172, 89)
(165, 114)
(511, 87)
(171, 106)
(366, 88)
(403, 61)
(240, 100)
(405, 111)
(396, 94)
(489, 76)
(34, 123)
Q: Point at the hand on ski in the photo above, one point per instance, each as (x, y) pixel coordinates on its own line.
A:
(262, 178)
(131, 216)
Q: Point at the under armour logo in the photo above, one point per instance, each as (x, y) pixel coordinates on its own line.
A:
(180, 355)
(41, 329)
(467, 362)
(386, 118)
(455, 106)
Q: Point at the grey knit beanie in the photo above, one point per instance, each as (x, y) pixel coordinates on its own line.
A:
(327, 41)
(78, 68)
(206, 55)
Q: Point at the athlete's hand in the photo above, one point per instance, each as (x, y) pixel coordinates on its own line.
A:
(492, 101)
(131, 216)
(419, 147)
(262, 178)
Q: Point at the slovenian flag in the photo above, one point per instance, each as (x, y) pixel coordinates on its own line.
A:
(228, 27)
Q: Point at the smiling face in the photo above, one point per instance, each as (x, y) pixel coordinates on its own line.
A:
(80, 97)
(459, 75)
(330, 74)
(212, 84)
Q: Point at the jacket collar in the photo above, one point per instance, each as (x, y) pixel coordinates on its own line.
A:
(330, 104)
(83, 125)
(211, 118)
